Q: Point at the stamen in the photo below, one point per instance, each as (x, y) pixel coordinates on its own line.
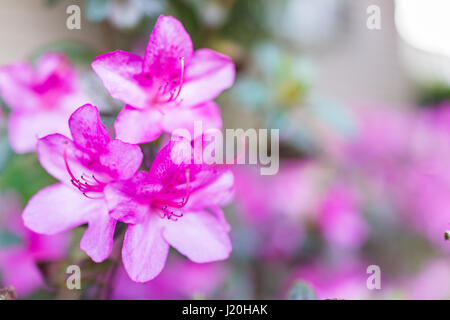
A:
(184, 199)
(86, 186)
(181, 79)
(166, 204)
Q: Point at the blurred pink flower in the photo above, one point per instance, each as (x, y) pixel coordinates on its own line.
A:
(276, 206)
(406, 152)
(167, 89)
(41, 99)
(346, 280)
(431, 283)
(18, 260)
(181, 192)
(340, 221)
(181, 279)
(84, 166)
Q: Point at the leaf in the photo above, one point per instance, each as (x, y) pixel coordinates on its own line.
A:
(301, 291)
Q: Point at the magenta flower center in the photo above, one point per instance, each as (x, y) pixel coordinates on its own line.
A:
(167, 207)
(84, 184)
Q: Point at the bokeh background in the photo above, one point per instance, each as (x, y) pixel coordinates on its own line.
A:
(364, 119)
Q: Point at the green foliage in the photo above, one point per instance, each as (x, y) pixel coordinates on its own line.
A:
(24, 175)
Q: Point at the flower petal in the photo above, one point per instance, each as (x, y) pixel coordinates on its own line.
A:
(122, 159)
(208, 74)
(118, 71)
(168, 42)
(138, 126)
(200, 236)
(25, 128)
(87, 129)
(123, 201)
(58, 208)
(218, 192)
(208, 114)
(20, 270)
(144, 251)
(98, 240)
(50, 151)
(15, 82)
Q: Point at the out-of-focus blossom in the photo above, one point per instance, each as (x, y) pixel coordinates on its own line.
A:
(432, 282)
(170, 88)
(275, 207)
(346, 280)
(339, 219)
(84, 166)
(41, 99)
(181, 279)
(408, 152)
(21, 249)
(188, 195)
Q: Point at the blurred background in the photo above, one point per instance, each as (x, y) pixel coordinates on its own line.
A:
(360, 91)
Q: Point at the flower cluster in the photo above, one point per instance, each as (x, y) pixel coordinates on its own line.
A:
(175, 203)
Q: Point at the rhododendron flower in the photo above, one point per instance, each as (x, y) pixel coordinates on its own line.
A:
(167, 89)
(41, 99)
(340, 220)
(344, 280)
(84, 165)
(181, 279)
(20, 254)
(176, 203)
(277, 206)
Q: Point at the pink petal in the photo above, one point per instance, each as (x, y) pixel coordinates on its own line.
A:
(15, 82)
(122, 158)
(218, 193)
(20, 271)
(44, 247)
(50, 151)
(98, 240)
(144, 251)
(118, 71)
(87, 129)
(168, 42)
(25, 128)
(58, 208)
(208, 74)
(208, 114)
(138, 126)
(122, 205)
(199, 236)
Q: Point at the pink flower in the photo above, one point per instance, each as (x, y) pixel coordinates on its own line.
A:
(181, 279)
(41, 99)
(84, 165)
(274, 208)
(339, 218)
(167, 89)
(344, 280)
(188, 196)
(18, 260)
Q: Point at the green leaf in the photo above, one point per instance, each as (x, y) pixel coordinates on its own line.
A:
(24, 174)
(301, 291)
